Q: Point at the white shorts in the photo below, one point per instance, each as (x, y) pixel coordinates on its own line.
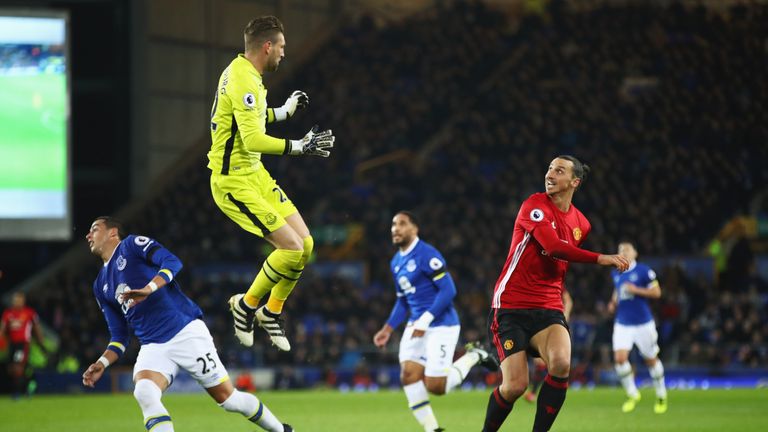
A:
(434, 350)
(191, 349)
(643, 335)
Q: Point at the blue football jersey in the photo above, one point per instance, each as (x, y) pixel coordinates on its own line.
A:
(418, 274)
(631, 309)
(162, 314)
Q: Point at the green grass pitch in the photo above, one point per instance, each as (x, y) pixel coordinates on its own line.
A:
(33, 133)
(386, 411)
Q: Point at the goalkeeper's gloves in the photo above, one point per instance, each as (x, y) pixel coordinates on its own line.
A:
(314, 143)
(297, 100)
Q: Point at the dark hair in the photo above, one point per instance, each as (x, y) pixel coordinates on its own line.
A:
(627, 241)
(111, 222)
(412, 217)
(580, 170)
(261, 29)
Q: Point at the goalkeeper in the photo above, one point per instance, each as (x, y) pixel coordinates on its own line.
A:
(242, 187)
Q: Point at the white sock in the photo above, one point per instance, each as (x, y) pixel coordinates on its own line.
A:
(460, 369)
(418, 402)
(624, 370)
(156, 417)
(252, 408)
(657, 373)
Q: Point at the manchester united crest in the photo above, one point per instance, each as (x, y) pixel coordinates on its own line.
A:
(577, 234)
(508, 344)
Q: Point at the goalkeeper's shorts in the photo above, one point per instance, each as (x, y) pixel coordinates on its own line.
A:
(254, 201)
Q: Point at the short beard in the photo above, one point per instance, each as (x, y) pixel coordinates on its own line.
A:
(405, 241)
(272, 67)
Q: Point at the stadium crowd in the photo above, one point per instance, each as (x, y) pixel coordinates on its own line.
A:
(454, 113)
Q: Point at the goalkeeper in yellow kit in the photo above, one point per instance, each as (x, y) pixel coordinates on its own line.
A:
(242, 187)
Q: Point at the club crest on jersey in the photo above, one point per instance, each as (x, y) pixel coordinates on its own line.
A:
(119, 291)
(410, 265)
(577, 234)
(271, 219)
(121, 263)
(508, 345)
(537, 215)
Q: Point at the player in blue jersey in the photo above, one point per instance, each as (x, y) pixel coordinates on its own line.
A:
(426, 289)
(137, 292)
(634, 325)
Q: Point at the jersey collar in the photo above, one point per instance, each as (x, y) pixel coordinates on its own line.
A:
(241, 58)
(106, 263)
(410, 248)
(632, 266)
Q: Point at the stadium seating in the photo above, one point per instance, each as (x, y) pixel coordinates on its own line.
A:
(668, 106)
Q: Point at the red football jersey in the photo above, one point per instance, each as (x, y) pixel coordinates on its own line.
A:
(19, 323)
(530, 278)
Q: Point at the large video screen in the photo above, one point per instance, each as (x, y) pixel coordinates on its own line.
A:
(34, 126)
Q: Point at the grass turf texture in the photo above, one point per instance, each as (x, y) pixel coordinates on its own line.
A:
(386, 411)
(33, 135)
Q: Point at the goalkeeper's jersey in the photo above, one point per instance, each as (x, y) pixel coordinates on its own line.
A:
(238, 121)
(162, 314)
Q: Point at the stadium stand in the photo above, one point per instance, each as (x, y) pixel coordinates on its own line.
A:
(455, 113)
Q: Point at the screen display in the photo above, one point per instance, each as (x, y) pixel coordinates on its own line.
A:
(34, 126)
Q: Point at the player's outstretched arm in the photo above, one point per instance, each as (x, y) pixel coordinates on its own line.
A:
(547, 238)
(617, 261)
(298, 100)
(314, 143)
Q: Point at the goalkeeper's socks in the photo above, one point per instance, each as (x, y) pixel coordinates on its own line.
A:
(497, 411)
(280, 264)
(549, 402)
(283, 289)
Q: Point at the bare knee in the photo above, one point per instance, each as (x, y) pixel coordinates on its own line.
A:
(286, 238)
(436, 386)
(512, 389)
(294, 242)
(651, 362)
(408, 376)
(620, 356)
(560, 366)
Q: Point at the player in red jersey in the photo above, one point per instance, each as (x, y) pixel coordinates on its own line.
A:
(18, 322)
(527, 308)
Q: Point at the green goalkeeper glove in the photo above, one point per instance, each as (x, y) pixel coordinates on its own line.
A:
(314, 143)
